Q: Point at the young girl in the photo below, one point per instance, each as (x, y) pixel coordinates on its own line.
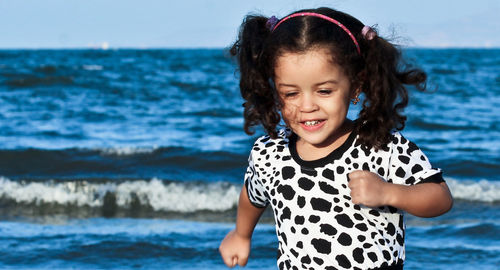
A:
(338, 188)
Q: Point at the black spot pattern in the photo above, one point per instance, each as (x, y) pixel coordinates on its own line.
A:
(328, 229)
(301, 201)
(288, 172)
(338, 209)
(362, 227)
(391, 230)
(286, 214)
(411, 147)
(318, 261)
(404, 159)
(305, 183)
(343, 261)
(344, 239)
(344, 220)
(400, 239)
(373, 257)
(299, 220)
(313, 208)
(387, 255)
(410, 180)
(287, 191)
(417, 168)
(366, 167)
(322, 245)
(355, 153)
(358, 216)
(325, 187)
(357, 254)
(314, 219)
(328, 174)
(400, 172)
(321, 204)
(306, 260)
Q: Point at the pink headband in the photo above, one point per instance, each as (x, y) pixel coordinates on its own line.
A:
(322, 17)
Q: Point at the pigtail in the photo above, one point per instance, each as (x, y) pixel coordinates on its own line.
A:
(384, 86)
(255, 87)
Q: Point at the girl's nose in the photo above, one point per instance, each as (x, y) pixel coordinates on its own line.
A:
(307, 103)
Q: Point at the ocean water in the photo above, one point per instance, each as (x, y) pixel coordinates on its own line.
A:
(123, 159)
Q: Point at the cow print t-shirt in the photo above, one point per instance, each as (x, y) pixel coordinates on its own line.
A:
(317, 225)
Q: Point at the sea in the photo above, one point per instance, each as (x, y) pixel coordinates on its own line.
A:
(134, 159)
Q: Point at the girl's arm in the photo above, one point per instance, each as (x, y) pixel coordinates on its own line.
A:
(423, 200)
(235, 248)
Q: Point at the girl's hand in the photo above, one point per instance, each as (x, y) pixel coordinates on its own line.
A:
(235, 249)
(368, 189)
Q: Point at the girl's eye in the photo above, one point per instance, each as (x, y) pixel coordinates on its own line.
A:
(325, 91)
(290, 94)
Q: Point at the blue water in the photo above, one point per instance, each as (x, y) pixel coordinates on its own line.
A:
(134, 159)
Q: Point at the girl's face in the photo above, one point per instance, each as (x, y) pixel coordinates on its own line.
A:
(315, 95)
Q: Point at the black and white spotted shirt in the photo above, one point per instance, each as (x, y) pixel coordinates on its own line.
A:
(317, 225)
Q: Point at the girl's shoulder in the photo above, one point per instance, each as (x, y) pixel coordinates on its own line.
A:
(397, 139)
(266, 142)
(403, 148)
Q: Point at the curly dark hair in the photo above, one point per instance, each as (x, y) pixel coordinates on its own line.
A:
(378, 71)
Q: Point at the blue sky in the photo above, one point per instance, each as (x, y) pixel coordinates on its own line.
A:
(214, 23)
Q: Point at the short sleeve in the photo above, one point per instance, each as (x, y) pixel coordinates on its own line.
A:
(409, 165)
(255, 188)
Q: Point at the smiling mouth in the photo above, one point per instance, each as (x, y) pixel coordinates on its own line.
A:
(312, 123)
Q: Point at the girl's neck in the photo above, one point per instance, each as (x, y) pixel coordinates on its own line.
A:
(313, 152)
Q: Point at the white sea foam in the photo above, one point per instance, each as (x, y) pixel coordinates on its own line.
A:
(181, 197)
(161, 196)
(78, 193)
(126, 151)
(483, 191)
(92, 67)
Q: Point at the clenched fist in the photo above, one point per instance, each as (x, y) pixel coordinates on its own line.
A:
(235, 249)
(368, 189)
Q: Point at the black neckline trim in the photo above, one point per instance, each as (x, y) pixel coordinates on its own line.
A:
(334, 155)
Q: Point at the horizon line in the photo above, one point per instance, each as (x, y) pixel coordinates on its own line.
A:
(215, 48)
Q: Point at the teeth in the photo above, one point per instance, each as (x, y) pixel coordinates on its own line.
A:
(311, 123)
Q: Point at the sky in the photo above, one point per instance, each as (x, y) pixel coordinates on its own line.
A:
(214, 23)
